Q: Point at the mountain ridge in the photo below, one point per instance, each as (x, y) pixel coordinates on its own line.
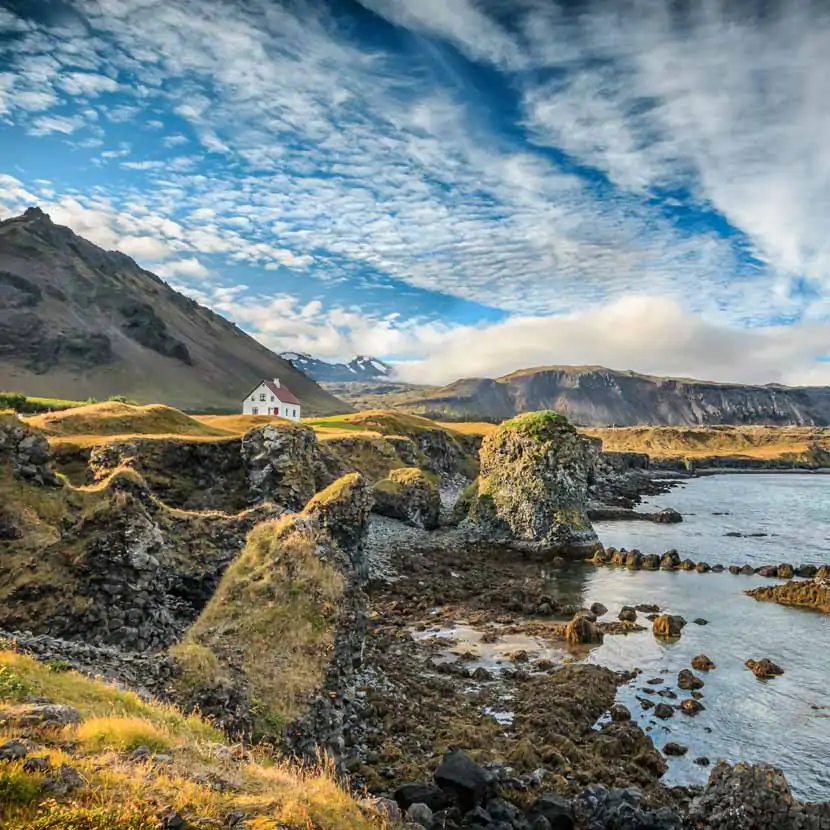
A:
(77, 321)
(598, 396)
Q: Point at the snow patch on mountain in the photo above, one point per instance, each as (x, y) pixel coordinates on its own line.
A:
(361, 368)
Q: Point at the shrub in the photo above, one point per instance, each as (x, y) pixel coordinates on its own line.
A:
(13, 686)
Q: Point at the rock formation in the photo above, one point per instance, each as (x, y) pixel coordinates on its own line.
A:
(812, 593)
(274, 651)
(410, 495)
(532, 489)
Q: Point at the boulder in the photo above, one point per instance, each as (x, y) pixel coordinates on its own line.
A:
(598, 609)
(674, 749)
(734, 569)
(619, 557)
(430, 794)
(811, 593)
(469, 784)
(628, 614)
(663, 711)
(651, 562)
(599, 808)
(26, 451)
(581, 631)
(634, 561)
(703, 567)
(702, 663)
(688, 681)
(668, 625)
(687, 565)
(806, 571)
(667, 516)
(743, 797)
(620, 713)
(409, 495)
(764, 668)
(555, 809)
(532, 490)
(786, 571)
(691, 706)
(670, 560)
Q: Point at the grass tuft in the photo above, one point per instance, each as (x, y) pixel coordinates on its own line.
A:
(122, 733)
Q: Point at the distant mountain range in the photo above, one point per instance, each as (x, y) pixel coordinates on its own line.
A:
(361, 368)
(596, 396)
(77, 321)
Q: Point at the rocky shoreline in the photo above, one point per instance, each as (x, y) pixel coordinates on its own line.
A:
(441, 668)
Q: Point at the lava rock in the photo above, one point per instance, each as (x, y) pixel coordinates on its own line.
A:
(688, 681)
(468, 783)
(764, 668)
(702, 663)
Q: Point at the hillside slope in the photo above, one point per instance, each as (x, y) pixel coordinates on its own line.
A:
(596, 396)
(77, 321)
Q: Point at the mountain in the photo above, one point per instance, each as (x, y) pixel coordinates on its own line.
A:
(362, 368)
(77, 321)
(596, 396)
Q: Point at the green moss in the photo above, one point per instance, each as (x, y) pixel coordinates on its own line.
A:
(541, 425)
(14, 687)
(338, 491)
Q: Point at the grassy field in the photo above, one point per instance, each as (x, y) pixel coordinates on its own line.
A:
(701, 442)
(118, 793)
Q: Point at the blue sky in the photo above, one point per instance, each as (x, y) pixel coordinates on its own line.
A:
(469, 187)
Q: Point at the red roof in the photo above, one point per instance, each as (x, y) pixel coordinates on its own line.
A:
(282, 393)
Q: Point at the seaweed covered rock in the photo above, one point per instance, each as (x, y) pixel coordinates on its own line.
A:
(282, 463)
(812, 593)
(410, 495)
(668, 626)
(283, 633)
(533, 486)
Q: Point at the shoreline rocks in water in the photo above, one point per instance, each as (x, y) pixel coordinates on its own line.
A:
(764, 668)
(813, 594)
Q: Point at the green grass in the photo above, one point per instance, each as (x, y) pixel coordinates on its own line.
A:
(539, 424)
(30, 405)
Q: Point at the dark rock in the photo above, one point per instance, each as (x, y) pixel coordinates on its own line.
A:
(747, 570)
(647, 608)
(634, 561)
(702, 761)
(468, 783)
(599, 808)
(40, 715)
(674, 749)
(688, 681)
(651, 562)
(700, 621)
(764, 668)
(663, 711)
(38, 764)
(806, 571)
(734, 569)
(620, 713)
(786, 571)
(419, 814)
(598, 609)
(670, 560)
(64, 780)
(628, 614)
(702, 663)
(703, 567)
(13, 750)
(667, 516)
(556, 809)
(691, 707)
(687, 565)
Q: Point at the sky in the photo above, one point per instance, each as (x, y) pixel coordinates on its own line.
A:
(464, 187)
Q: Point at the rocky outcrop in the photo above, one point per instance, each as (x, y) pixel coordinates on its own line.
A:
(764, 668)
(747, 797)
(282, 464)
(532, 489)
(812, 593)
(26, 452)
(410, 495)
(283, 633)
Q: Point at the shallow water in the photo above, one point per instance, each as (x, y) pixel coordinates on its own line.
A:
(785, 720)
(792, 508)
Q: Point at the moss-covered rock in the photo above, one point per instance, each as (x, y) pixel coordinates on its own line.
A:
(285, 623)
(532, 490)
(813, 593)
(410, 495)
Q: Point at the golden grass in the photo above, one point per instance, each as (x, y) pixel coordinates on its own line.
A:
(121, 733)
(760, 442)
(114, 418)
(121, 794)
(275, 609)
(481, 428)
(239, 424)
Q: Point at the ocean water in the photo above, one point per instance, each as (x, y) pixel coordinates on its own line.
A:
(784, 720)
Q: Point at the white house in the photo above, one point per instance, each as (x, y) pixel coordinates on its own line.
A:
(271, 398)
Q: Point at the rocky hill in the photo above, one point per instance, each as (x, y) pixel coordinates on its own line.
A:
(596, 396)
(77, 321)
(361, 368)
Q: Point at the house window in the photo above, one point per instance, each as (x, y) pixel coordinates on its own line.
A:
(254, 411)
(293, 413)
(262, 396)
(272, 399)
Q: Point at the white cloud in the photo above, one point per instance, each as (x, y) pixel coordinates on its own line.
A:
(187, 268)
(65, 124)
(87, 83)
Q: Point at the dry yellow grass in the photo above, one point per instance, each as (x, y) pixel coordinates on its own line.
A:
(481, 428)
(122, 419)
(239, 424)
(121, 794)
(699, 442)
